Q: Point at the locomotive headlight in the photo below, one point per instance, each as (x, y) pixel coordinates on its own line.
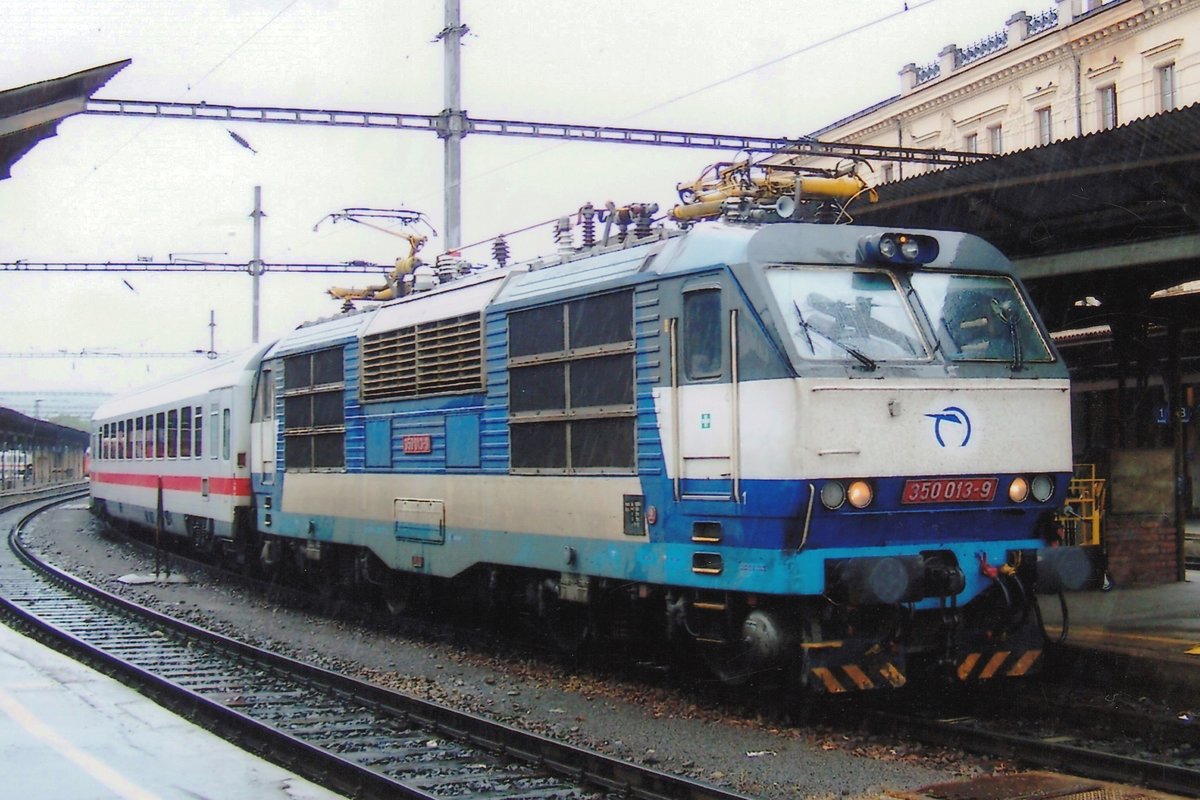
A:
(860, 494)
(1018, 490)
(1041, 487)
(897, 248)
(833, 494)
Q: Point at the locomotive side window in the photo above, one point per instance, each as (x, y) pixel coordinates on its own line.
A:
(702, 334)
(314, 411)
(980, 318)
(571, 386)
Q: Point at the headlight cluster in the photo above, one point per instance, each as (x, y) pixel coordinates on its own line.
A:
(1041, 487)
(835, 494)
(898, 248)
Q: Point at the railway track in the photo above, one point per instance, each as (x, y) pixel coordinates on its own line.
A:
(351, 736)
(1155, 748)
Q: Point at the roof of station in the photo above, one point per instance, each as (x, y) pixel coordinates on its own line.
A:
(16, 430)
(31, 113)
(1106, 201)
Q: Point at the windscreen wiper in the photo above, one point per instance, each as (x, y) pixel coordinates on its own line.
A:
(1009, 318)
(861, 357)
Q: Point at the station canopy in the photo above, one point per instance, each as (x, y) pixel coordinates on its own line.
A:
(29, 114)
(17, 430)
(1109, 213)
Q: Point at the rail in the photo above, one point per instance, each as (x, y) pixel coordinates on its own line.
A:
(346, 734)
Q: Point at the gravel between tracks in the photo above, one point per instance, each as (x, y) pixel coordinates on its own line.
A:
(637, 721)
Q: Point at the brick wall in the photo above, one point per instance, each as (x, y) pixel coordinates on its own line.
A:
(1141, 548)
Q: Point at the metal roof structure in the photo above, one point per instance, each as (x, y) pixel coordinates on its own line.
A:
(31, 113)
(16, 429)
(1103, 214)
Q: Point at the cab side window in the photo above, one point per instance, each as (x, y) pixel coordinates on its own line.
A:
(702, 334)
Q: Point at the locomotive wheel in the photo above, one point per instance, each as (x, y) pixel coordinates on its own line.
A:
(399, 594)
(569, 627)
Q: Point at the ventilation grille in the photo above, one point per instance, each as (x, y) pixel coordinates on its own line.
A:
(440, 357)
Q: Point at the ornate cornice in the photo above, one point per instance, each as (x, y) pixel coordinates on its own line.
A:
(1113, 31)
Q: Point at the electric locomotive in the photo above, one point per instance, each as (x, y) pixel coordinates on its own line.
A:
(826, 452)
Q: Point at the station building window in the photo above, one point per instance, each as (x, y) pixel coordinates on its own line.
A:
(1165, 78)
(571, 386)
(1106, 98)
(996, 139)
(1045, 125)
(314, 421)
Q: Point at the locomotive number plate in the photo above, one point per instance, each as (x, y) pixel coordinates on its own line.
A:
(949, 490)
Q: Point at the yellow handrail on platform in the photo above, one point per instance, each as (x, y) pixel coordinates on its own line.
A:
(1082, 516)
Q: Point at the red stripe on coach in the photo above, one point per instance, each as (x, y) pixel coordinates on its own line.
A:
(237, 487)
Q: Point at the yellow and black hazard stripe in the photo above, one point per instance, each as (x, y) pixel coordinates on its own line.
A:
(850, 677)
(983, 666)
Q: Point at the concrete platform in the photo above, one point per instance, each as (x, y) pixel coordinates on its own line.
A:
(66, 731)
(1143, 638)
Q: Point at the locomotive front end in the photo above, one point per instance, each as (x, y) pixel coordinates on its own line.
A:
(909, 472)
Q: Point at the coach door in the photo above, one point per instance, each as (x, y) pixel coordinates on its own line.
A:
(704, 383)
(262, 427)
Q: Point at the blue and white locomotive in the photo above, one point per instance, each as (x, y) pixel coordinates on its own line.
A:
(824, 451)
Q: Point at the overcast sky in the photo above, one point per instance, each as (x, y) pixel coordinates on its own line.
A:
(116, 189)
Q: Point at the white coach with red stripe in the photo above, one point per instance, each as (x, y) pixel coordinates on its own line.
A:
(188, 436)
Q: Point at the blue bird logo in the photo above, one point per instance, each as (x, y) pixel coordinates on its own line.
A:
(955, 416)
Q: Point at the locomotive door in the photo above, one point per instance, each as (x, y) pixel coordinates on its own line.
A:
(262, 427)
(705, 391)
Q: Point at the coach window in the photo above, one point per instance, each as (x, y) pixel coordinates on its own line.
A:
(571, 386)
(226, 433)
(185, 432)
(314, 421)
(214, 427)
(199, 418)
(160, 435)
(172, 433)
(148, 445)
(265, 408)
(129, 443)
(702, 334)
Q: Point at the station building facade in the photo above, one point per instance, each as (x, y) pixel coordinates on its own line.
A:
(1076, 67)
